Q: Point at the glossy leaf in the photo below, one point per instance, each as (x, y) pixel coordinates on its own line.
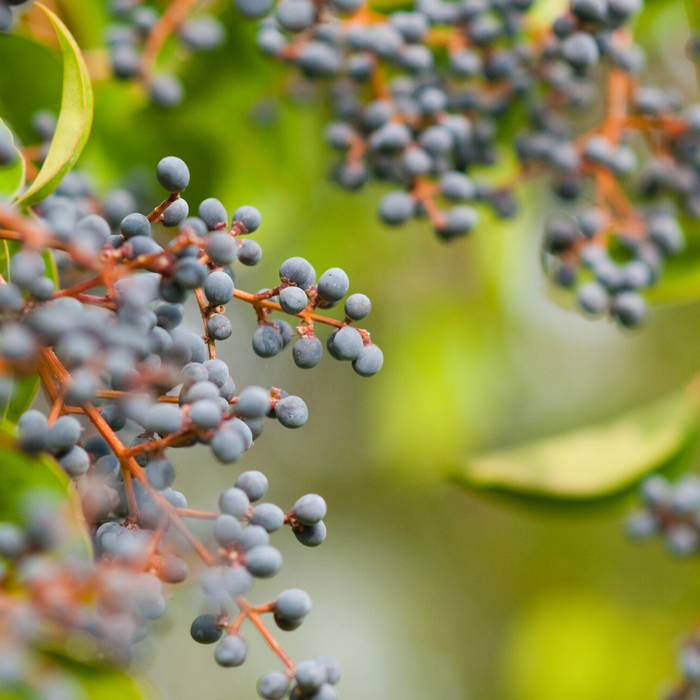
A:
(12, 177)
(74, 119)
(590, 462)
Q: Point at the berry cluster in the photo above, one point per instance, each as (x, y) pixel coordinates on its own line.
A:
(138, 35)
(111, 352)
(672, 510)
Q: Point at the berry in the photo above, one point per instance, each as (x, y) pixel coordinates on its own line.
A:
(160, 473)
(205, 629)
(253, 9)
(291, 411)
(164, 419)
(250, 253)
(219, 327)
(173, 174)
(267, 341)
(263, 561)
(312, 536)
(347, 343)
(227, 445)
(396, 208)
(333, 284)
(253, 402)
(213, 213)
(226, 529)
(273, 686)
(293, 300)
(249, 217)
(176, 213)
(205, 414)
(221, 248)
(292, 604)
(307, 352)
(237, 581)
(63, 434)
(254, 484)
(234, 501)
(268, 516)
(297, 271)
(369, 361)
(357, 306)
(310, 675)
(231, 650)
(310, 509)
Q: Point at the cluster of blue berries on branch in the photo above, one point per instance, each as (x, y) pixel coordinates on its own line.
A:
(126, 381)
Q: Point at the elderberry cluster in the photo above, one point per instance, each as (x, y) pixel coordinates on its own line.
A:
(106, 603)
(110, 343)
(671, 510)
(245, 553)
(128, 41)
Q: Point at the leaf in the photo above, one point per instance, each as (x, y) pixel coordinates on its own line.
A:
(12, 177)
(100, 682)
(74, 119)
(21, 473)
(24, 389)
(590, 462)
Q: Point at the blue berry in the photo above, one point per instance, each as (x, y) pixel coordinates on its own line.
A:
(206, 629)
(396, 208)
(227, 445)
(205, 414)
(250, 253)
(227, 529)
(310, 509)
(333, 284)
(176, 213)
(234, 501)
(253, 402)
(273, 686)
(254, 484)
(291, 411)
(237, 581)
(253, 536)
(267, 341)
(293, 300)
(268, 516)
(310, 675)
(221, 248)
(297, 271)
(347, 343)
(63, 434)
(219, 327)
(213, 213)
(164, 418)
(313, 535)
(357, 306)
(263, 562)
(160, 473)
(249, 216)
(231, 650)
(307, 352)
(292, 604)
(75, 461)
(173, 174)
(369, 361)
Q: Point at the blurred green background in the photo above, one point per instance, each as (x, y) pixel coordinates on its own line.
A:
(422, 590)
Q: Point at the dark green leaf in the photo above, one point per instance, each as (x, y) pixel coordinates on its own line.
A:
(74, 120)
(590, 462)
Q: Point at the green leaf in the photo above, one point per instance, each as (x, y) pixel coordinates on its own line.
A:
(590, 462)
(12, 177)
(102, 682)
(74, 120)
(20, 472)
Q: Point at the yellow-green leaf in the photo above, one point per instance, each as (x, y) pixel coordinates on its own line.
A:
(74, 119)
(12, 177)
(100, 682)
(590, 462)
